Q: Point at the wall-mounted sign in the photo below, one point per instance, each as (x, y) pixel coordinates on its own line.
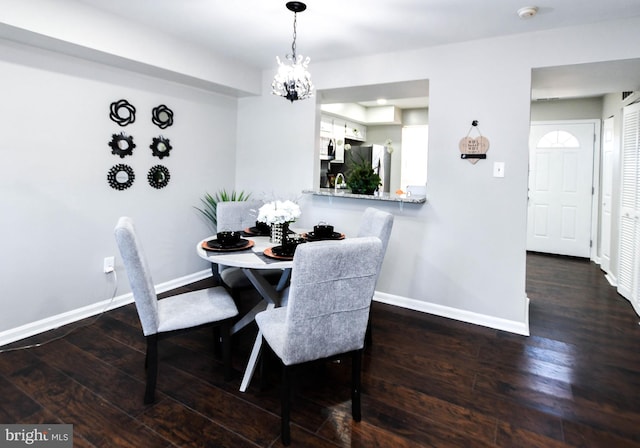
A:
(473, 148)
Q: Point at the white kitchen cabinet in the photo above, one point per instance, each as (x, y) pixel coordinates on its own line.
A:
(338, 136)
(355, 131)
(326, 136)
(337, 130)
(326, 127)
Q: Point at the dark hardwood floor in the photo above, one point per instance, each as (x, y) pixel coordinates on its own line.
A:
(428, 381)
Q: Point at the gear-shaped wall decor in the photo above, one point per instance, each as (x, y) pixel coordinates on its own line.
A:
(162, 116)
(122, 145)
(160, 147)
(121, 176)
(122, 112)
(158, 176)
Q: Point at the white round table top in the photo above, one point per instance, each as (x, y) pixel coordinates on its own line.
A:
(252, 258)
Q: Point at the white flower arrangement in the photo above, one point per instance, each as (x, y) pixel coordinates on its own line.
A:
(279, 212)
(347, 147)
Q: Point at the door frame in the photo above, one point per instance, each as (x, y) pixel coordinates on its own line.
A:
(595, 176)
(604, 262)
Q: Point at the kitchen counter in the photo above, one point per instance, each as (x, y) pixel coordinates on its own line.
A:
(346, 193)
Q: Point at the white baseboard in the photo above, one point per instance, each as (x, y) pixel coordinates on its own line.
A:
(53, 322)
(457, 314)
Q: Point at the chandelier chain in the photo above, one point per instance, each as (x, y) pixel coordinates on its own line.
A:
(293, 44)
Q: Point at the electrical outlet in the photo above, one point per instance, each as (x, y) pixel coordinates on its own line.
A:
(109, 263)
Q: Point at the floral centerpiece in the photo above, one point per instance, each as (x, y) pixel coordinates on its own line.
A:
(278, 215)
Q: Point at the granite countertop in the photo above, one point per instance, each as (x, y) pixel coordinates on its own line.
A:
(346, 193)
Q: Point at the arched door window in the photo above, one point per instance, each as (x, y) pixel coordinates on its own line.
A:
(558, 139)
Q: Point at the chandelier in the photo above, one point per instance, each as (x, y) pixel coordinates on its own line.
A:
(292, 80)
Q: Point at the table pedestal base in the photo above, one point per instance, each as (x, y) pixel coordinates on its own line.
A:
(272, 297)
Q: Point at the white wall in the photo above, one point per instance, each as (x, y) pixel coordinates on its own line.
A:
(276, 144)
(570, 109)
(463, 253)
(58, 211)
(73, 28)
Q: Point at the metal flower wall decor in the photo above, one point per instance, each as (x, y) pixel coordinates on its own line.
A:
(121, 176)
(162, 116)
(122, 145)
(122, 112)
(160, 147)
(158, 176)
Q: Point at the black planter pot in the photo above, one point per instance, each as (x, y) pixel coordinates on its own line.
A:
(358, 191)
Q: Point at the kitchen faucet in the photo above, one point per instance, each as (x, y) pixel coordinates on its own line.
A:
(338, 176)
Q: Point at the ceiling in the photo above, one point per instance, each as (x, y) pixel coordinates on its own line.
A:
(255, 31)
(585, 80)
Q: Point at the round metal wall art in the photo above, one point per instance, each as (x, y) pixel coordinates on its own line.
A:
(122, 145)
(158, 176)
(162, 116)
(160, 147)
(121, 176)
(122, 112)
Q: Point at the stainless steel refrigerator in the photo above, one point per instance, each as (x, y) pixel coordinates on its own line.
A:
(377, 156)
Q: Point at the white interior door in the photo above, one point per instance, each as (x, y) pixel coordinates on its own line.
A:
(560, 188)
(606, 198)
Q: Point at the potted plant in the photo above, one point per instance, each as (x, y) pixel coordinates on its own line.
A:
(210, 203)
(361, 177)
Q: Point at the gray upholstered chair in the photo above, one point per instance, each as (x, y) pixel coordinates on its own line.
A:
(236, 215)
(379, 224)
(213, 306)
(239, 215)
(332, 283)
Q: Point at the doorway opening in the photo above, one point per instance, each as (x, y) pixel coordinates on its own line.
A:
(562, 179)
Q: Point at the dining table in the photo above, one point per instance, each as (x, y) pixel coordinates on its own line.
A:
(252, 257)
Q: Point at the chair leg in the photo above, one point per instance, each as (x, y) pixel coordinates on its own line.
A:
(225, 334)
(264, 364)
(356, 384)
(286, 405)
(368, 339)
(217, 342)
(151, 364)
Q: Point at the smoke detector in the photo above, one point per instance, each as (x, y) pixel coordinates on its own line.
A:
(527, 11)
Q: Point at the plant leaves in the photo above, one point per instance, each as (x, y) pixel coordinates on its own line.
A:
(210, 204)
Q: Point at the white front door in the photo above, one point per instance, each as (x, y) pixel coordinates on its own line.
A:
(560, 188)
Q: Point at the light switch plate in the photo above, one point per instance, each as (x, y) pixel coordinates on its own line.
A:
(498, 169)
